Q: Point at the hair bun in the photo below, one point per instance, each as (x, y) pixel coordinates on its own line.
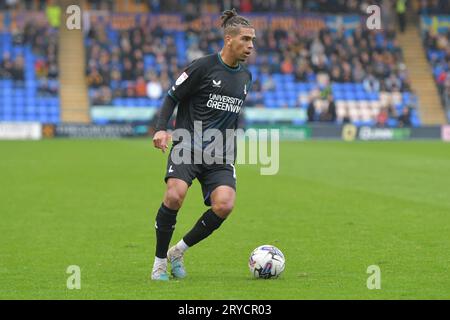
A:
(227, 15)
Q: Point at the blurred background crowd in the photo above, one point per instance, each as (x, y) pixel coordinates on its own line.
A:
(291, 68)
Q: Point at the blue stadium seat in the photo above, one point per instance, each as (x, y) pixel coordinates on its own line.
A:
(373, 96)
(360, 95)
(270, 103)
(368, 123)
(302, 86)
(392, 122)
(279, 93)
(415, 121)
(289, 86)
(292, 94)
(350, 95)
(292, 103)
(338, 95)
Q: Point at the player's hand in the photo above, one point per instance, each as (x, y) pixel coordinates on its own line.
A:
(161, 140)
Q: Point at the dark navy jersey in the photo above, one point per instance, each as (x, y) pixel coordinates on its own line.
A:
(211, 92)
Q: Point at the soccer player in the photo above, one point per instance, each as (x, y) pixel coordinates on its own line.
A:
(212, 90)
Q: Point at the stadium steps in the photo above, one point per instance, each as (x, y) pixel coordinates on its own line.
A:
(431, 109)
(73, 87)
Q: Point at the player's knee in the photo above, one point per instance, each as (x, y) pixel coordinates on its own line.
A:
(173, 198)
(223, 207)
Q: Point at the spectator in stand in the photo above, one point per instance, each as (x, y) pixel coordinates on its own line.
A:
(336, 74)
(246, 6)
(392, 113)
(400, 7)
(18, 69)
(371, 84)
(316, 49)
(194, 52)
(287, 66)
(319, 64)
(404, 120)
(94, 79)
(115, 76)
(130, 90)
(406, 85)
(330, 114)
(141, 87)
(53, 71)
(12, 69)
(392, 83)
(256, 96)
(103, 97)
(358, 73)
(346, 117)
(154, 88)
(347, 72)
(311, 111)
(382, 118)
(6, 67)
(302, 73)
(128, 71)
(268, 84)
(45, 88)
(387, 14)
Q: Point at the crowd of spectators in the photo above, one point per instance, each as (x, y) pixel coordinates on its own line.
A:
(117, 69)
(433, 7)
(265, 6)
(373, 59)
(438, 51)
(438, 47)
(12, 68)
(23, 4)
(247, 6)
(42, 39)
(403, 117)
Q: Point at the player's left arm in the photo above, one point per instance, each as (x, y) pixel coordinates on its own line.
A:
(249, 83)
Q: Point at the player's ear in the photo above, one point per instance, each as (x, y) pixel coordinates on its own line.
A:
(228, 40)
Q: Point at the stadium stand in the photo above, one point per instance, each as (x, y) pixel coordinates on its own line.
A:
(362, 70)
(437, 44)
(335, 75)
(433, 7)
(244, 6)
(29, 74)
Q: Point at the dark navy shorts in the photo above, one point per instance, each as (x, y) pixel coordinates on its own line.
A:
(210, 176)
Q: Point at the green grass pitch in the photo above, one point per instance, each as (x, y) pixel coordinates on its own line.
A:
(334, 209)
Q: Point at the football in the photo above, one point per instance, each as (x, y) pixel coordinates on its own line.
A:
(266, 262)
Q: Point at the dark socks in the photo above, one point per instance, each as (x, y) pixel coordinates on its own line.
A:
(165, 225)
(203, 228)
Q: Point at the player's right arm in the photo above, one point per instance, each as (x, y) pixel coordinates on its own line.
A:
(162, 137)
(186, 84)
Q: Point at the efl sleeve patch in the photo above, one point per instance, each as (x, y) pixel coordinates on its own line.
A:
(188, 82)
(181, 78)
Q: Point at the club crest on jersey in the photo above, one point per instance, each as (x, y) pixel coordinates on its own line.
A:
(181, 78)
(217, 83)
